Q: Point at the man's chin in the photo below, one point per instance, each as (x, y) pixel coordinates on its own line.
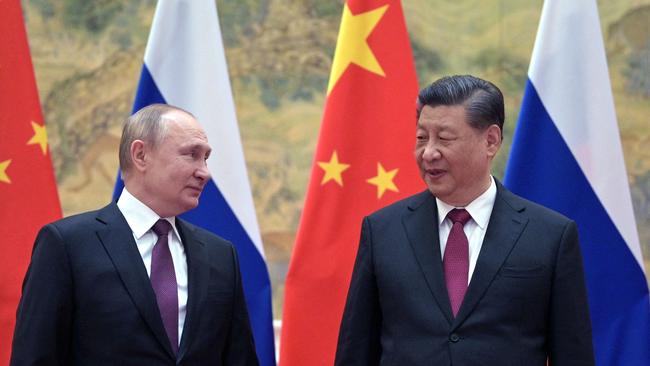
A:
(191, 203)
(437, 190)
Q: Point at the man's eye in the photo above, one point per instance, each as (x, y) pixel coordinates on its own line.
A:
(191, 154)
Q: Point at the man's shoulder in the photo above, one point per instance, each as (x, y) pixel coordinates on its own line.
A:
(86, 220)
(399, 207)
(79, 229)
(531, 209)
(203, 235)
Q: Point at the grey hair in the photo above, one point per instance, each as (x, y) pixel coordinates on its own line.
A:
(146, 125)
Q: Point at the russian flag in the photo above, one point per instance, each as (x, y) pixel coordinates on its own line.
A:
(185, 66)
(567, 155)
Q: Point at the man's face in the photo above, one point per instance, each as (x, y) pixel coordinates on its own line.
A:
(454, 158)
(176, 170)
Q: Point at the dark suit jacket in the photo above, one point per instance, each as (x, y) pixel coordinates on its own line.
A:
(87, 299)
(525, 302)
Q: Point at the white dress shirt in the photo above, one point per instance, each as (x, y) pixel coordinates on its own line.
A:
(480, 209)
(141, 219)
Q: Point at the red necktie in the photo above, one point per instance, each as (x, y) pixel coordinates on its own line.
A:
(456, 259)
(163, 281)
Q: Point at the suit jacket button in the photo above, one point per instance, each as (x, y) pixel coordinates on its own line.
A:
(454, 338)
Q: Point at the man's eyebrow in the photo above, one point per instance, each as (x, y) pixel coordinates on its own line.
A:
(441, 127)
(196, 145)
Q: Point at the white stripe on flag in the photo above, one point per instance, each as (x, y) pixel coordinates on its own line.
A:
(187, 61)
(569, 71)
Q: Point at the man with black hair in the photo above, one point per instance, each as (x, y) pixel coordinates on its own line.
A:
(466, 272)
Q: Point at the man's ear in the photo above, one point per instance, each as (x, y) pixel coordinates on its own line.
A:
(138, 155)
(493, 139)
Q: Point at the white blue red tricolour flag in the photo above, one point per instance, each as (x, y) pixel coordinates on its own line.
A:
(567, 155)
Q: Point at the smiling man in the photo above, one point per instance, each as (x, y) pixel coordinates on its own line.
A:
(466, 272)
(132, 284)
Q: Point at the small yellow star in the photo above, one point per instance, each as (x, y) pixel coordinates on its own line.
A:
(384, 180)
(40, 137)
(333, 169)
(351, 45)
(3, 171)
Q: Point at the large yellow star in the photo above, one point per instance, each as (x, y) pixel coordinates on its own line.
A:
(40, 137)
(384, 180)
(351, 45)
(3, 171)
(333, 169)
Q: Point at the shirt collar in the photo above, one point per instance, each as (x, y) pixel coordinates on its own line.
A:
(139, 216)
(480, 208)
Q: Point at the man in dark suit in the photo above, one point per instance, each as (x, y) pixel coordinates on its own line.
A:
(132, 284)
(465, 273)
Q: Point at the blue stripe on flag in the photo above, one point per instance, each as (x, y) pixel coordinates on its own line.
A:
(542, 168)
(148, 92)
(214, 214)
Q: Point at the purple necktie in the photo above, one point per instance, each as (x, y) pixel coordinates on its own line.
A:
(163, 281)
(456, 259)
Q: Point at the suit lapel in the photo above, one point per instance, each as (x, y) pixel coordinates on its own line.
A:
(118, 241)
(197, 282)
(421, 225)
(505, 226)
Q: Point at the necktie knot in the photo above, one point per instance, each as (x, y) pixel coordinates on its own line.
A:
(161, 227)
(459, 215)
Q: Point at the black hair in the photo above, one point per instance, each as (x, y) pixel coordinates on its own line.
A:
(482, 100)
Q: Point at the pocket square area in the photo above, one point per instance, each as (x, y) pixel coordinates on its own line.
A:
(522, 271)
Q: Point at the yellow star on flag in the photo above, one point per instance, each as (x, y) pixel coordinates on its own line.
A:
(384, 180)
(351, 45)
(40, 137)
(333, 169)
(3, 171)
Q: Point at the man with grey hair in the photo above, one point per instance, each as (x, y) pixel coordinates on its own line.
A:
(132, 284)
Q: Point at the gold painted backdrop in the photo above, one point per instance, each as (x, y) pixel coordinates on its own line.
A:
(88, 54)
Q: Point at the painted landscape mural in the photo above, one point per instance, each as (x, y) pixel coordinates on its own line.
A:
(88, 54)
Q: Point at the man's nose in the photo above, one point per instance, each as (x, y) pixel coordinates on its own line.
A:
(202, 173)
(431, 152)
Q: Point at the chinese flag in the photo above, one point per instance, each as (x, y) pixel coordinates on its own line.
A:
(28, 196)
(364, 161)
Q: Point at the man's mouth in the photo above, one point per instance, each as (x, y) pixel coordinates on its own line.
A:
(194, 188)
(435, 173)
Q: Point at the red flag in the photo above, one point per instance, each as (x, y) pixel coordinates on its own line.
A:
(28, 196)
(364, 161)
